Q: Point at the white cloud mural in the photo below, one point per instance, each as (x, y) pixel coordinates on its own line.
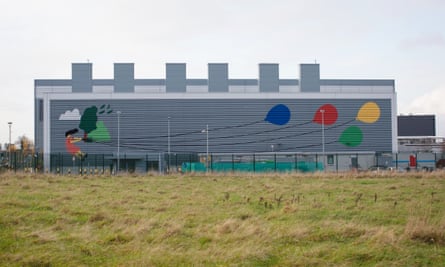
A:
(69, 115)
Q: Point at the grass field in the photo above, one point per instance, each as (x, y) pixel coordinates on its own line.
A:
(221, 220)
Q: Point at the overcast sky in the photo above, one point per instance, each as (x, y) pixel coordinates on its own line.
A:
(351, 39)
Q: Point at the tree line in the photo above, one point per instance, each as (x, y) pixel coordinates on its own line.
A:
(23, 144)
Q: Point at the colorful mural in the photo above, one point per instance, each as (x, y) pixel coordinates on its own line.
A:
(369, 113)
(327, 114)
(278, 115)
(94, 130)
(70, 115)
(349, 133)
(70, 139)
(352, 136)
(328, 117)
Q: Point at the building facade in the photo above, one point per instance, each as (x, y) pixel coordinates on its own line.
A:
(84, 116)
(417, 133)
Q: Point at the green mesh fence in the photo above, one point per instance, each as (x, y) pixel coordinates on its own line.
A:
(253, 167)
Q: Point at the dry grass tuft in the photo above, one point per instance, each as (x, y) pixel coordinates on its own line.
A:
(421, 230)
(118, 239)
(172, 229)
(235, 229)
(296, 234)
(228, 226)
(381, 236)
(43, 236)
(97, 217)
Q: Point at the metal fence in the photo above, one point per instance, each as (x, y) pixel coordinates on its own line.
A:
(106, 164)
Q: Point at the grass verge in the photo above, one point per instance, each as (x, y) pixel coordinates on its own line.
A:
(223, 220)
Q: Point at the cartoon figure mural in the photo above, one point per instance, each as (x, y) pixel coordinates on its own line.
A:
(94, 130)
(70, 146)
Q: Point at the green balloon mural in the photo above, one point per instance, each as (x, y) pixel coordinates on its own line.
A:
(352, 136)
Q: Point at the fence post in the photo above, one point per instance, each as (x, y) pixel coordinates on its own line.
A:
(190, 162)
(356, 156)
(233, 163)
(58, 163)
(168, 162)
(336, 162)
(435, 160)
(81, 167)
(254, 163)
(160, 164)
(376, 158)
(316, 161)
(296, 162)
(176, 162)
(95, 163)
(126, 162)
(275, 161)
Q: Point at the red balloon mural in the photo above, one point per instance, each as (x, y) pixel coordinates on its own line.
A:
(329, 117)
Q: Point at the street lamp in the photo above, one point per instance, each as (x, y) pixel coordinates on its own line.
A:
(322, 137)
(9, 147)
(118, 139)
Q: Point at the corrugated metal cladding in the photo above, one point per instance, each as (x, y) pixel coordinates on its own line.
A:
(425, 125)
(235, 125)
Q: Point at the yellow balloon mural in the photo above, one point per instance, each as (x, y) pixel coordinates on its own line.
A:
(369, 113)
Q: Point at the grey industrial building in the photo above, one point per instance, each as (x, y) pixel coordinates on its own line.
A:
(83, 117)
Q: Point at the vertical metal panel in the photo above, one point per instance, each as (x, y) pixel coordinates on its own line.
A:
(269, 78)
(218, 77)
(82, 74)
(175, 77)
(38, 124)
(310, 77)
(123, 77)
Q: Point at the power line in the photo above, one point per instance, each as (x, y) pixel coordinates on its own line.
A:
(150, 147)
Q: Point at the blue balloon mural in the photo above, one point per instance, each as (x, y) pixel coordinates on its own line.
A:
(279, 115)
